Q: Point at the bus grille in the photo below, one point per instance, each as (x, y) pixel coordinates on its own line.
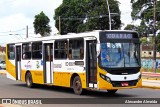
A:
(118, 83)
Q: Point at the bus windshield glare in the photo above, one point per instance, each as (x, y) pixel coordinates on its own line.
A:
(118, 55)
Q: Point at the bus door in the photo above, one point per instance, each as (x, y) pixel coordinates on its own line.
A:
(18, 62)
(91, 64)
(48, 62)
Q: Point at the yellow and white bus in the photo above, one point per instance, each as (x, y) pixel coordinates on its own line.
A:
(100, 60)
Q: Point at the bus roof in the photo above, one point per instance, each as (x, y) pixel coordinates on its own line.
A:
(67, 36)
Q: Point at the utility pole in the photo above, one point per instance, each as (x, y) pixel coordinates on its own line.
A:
(109, 15)
(154, 38)
(59, 24)
(27, 31)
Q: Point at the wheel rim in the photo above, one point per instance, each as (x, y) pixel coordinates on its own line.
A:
(77, 85)
(28, 81)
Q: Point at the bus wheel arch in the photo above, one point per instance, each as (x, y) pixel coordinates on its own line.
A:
(29, 80)
(76, 84)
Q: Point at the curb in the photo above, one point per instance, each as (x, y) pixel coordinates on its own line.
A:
(2, 73)
(150, 78)
(152, 87)
(18, 105)
(10, 105)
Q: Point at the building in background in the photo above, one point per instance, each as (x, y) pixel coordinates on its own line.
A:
(2, 53)
(147, 51)
(147, 56)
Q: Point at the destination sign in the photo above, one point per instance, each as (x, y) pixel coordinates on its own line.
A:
(119, 36)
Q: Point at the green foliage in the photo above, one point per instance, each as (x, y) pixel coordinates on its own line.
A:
(130, 27)
(144, 10)
(41, 24)
(150, 70)
(74, 12)
(144, 40)
(140, 29)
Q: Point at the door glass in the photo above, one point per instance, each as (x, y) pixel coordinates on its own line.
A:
(18, 53)
(49, 52)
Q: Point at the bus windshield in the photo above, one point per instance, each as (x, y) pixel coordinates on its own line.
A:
(118, 55)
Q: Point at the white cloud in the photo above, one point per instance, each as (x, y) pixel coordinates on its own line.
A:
(17, 14)
(125, 8)
(14, 21)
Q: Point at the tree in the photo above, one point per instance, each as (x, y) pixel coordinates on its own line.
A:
(41, 24)
(130, 27)
(140, 29)
(144, 10)
(158, 42)
(144, 40)
(86, 15)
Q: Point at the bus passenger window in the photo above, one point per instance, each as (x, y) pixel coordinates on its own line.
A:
(11, 52)
(76, 48)
(37, 50)
(70, 54)
(26, 50)
(24, 56)
(81, 53)
(60, 49)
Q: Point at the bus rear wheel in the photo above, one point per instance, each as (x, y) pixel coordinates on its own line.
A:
(77, 85)
(112, 91)
(29, 81)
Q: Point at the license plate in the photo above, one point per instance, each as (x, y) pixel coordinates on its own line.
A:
(124, 84)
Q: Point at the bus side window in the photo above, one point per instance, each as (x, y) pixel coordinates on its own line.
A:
(11, 52)
(60, 49)
(81, 53)
(76, 48)
(26, 50)
(37, 50)
(70, 54)
(24, 56)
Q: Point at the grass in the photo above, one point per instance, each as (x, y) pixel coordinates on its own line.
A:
(150, 70)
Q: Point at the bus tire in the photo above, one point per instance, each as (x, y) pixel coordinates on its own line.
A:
(77, 85)
(29, 81)
(112, 91)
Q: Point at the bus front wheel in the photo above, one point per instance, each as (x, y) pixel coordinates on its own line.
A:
(112, 91)
(77, 85)
(29, 81)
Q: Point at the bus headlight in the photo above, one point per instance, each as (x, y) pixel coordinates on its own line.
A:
(105, 77)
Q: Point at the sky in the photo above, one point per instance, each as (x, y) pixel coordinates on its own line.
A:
(15, 15)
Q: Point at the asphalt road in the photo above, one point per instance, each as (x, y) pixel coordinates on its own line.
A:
(17, 89)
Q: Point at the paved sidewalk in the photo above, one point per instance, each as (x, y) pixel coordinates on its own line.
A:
(155, 84)
(11, 105)
(16, 105)
(151, 80)
(2, 72)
